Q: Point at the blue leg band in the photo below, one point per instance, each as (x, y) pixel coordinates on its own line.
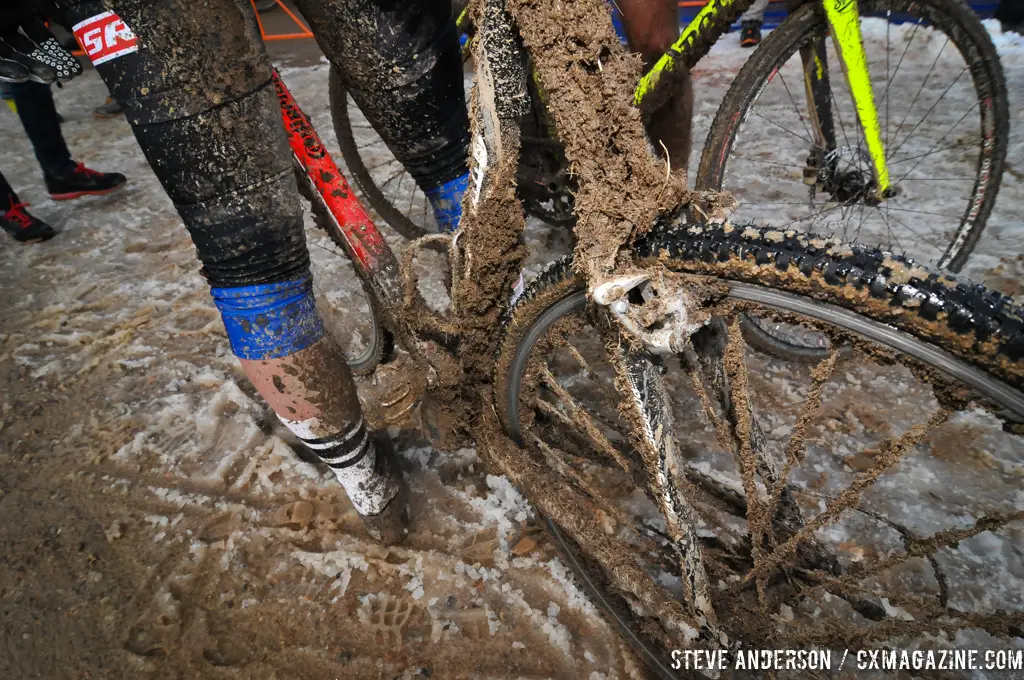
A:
(446, 200)
(271, 320)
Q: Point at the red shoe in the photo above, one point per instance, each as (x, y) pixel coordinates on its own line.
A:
(24, 227)
(81, 181)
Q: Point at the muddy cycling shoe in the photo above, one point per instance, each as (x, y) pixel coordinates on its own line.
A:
(25, 227)
(750, 33)
(12, 72)
(390, 525)
(80, 181)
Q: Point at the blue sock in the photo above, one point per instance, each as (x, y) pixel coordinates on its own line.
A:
(270, 320)
(446, 200)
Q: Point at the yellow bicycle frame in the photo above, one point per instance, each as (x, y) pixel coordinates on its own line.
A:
(667, 61)
(844, 26)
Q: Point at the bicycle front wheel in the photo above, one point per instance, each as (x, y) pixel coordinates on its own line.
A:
(871, 504)
(943, 117)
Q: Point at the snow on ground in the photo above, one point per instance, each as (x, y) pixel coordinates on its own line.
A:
(156, 521)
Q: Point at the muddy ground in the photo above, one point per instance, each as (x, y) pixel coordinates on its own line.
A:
(155, 520)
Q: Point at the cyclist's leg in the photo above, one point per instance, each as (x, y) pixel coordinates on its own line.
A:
(402, 65)
(651, 27)
(196, 89)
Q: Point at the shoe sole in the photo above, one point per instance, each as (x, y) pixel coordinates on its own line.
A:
(13, 81)
(41, 239)
(749, 43)
(79, 194)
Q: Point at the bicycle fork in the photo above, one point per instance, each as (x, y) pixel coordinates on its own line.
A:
(844, 27)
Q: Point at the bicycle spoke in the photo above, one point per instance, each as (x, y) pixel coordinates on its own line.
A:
(940, 140)
(412, 197)
(924, 212)
(400, 172)
(369, 144)
(398, 189)
(837, 113)
(937, 179)
(930, 152)
(919, 90)
(885, 95)
(932, 108)
(796, 449)
(390, 161)
(579, 418)
(746, 455)
(747, 159)
(786, 130)
(556, 459)
(795, 106)
(890, 451)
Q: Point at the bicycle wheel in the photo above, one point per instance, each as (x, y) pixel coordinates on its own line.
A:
(943, 114)
(344, 300)
(883, 499)
(946, 147)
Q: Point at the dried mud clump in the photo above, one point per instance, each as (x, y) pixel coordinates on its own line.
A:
(589, 80)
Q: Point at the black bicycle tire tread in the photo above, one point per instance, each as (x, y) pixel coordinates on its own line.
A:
(744, 89)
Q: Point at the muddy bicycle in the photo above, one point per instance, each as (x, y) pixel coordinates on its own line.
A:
(789, 139)
(709, 496)
(932, 85)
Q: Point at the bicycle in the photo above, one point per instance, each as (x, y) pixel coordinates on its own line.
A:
(820, 170)
(665, 489)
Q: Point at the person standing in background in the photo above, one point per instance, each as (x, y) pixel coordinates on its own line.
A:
(33, 60)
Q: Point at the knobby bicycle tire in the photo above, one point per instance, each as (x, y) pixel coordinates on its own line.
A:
(963, 28)
(956, 327)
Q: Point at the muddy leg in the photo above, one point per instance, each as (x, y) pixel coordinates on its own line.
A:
(402, 64)
(196, 89)
(651, 27)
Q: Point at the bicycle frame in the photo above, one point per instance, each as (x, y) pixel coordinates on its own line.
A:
(844, 26)
(363, 243)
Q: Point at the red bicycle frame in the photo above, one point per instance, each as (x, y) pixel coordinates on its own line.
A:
(362, 241)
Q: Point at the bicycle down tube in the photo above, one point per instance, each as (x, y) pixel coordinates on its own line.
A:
(364, 241)
(365, 245)
(844, 25)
